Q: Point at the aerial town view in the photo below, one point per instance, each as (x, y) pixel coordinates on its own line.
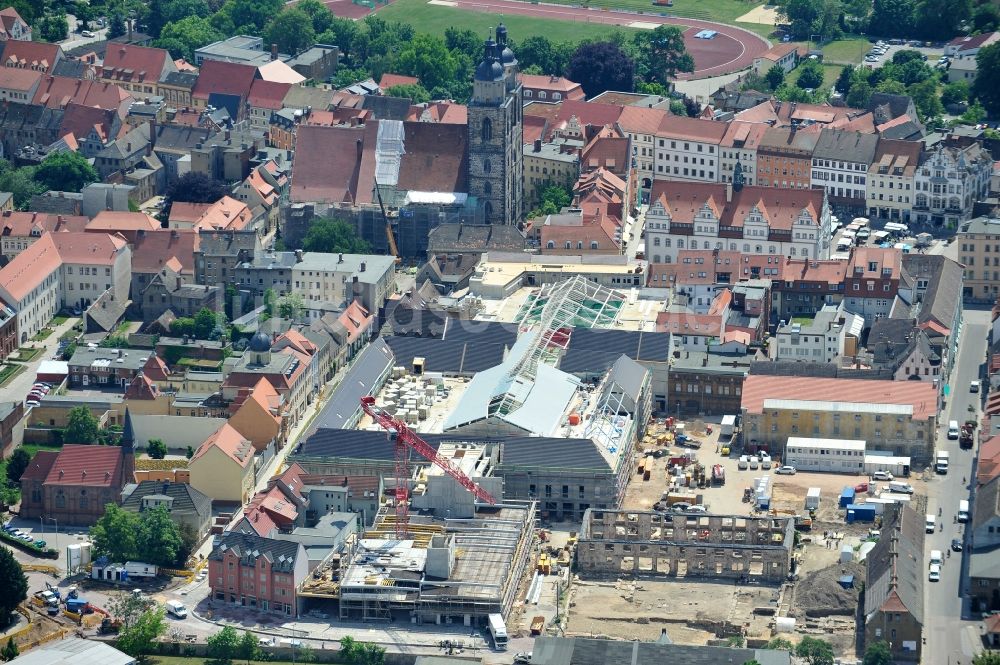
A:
(500, 332)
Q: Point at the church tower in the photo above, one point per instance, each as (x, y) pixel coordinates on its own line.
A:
(496, 136)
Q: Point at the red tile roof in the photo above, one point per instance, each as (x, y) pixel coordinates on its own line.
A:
(692, 129)
(142, 388)
(13, 78)
(110, 221)
(989, 460)
(641, 119)
(224, 77)
(780, 207)
(154, 249)
(921, 395)
(31, 55)
(388, 80)
(156, 369)
(59, 91)
(13, 223)
(80, 120)
(230, 442)
(779, 51)
(268, 94)
(558, 84)
(40, 465)
(95, 249)
(93, 466)
(30, 268)
(136, 63)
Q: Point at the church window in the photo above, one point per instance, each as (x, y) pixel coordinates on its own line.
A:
(487, 166)
(488, 188)
(487, 129)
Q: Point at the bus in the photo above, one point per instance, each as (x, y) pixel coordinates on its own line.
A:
(498, 631)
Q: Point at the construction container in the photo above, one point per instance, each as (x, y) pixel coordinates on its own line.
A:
(860, 512)
(812, 498)
(847, 497)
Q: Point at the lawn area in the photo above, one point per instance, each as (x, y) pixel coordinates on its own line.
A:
(723, 11)
(802, 320)
(43, 334)
(830, 75)
(58, 320)
(8, 372)
(846, 51)
(33, 448)
(434, 19)
(28, 353)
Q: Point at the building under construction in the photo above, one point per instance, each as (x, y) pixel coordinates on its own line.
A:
(449, 570)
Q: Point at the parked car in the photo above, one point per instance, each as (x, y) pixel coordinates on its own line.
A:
(786, 470)
(974, 386)
(882, 475)
(31, 402)
(743, 463)
(40, 543)
(935, 573)
(956, 544)
(753, 464)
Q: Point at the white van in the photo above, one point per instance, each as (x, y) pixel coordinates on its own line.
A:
(900, 487)
(952, 429)
(176, 609)
(936, 557)
(930, 523)
(963, 510)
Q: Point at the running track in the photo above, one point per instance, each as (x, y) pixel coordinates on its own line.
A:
(731, 50)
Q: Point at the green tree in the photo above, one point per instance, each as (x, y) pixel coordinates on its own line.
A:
(465, 41)
(736, 641)
(321, 17)
(662, 53)
(182, 38)
(224, 645)
(81, 426)
(251, 15)
(926, 99)
(974, 115)
(361, 653)
(780, 644)
(878, 654)
(986, 87)
(815, 651)
(813, 17)
(189, 453)
(331, 235)
(955, 93)
(54, 27)
(159, 537)
(13, 583)
(752, 661)
(987, 658)
(775, 77)
(554, 199)
(810, 75)
(17, 464)
(139, 639)
(290, 306)
(156, 448)
(249, 647)
(20, 182)
(860, 95)
(986, 18)
(415, 92)
(342, 32)
(66, 172)
(116, 25)
(10, 650)
(205, 322)
(891, 86)
(292, 30)
(941, 19)
(117, 534)
(427, 58)
(891, 18)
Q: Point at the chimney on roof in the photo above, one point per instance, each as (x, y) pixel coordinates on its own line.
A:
(729, 192)
(538, 145)
(340, 258)
(298, 256)
(362, 267)
(274, 51)
(130, 31)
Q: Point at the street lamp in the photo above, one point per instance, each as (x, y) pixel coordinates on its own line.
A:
(56, 522)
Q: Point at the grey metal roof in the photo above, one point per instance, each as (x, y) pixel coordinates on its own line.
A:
(629, 375)
(516, 451)
(186, 498)
(846, 146)
(943, 296)
(360, 381)
(75, 651)
(896, 563)
(595, 350)
(249, 546)
(591, 651)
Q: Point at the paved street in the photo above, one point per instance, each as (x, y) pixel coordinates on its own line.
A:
(948, 636)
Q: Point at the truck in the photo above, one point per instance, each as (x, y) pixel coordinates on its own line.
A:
(140, 569)
(537, 625)
(498, 631)
(718, 475)
(965, 437)
(78, 606)
(941, 461)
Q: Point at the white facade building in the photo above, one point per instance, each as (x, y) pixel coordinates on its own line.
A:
(949, 181)
(834, 455)
(688, 149)
(752, 220)
(833, 333)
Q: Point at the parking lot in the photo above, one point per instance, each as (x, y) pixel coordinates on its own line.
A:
(932, 53)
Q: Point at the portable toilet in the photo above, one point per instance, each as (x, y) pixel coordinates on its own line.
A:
(847, 496)
(846, 554)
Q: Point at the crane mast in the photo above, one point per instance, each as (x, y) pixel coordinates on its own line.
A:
(405, 440)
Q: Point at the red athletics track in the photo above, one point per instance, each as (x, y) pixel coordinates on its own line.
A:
(731, 50)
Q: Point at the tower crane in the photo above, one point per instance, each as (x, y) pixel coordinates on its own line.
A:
(406, 440)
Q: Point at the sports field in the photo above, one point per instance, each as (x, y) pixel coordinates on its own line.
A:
(434, 18)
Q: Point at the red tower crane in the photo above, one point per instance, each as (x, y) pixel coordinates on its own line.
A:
(405, 440)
